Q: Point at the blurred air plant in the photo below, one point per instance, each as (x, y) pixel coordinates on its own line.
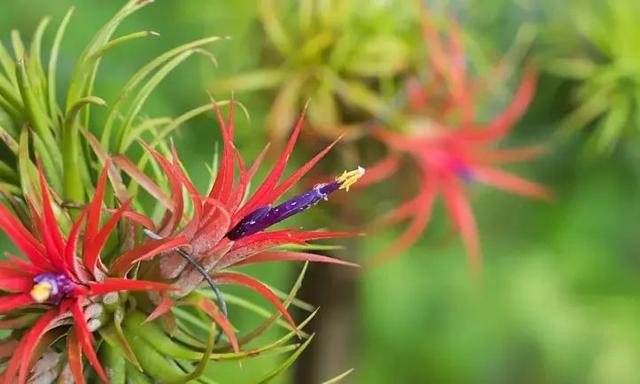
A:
(334, 54)
(443, 134)
(121, 290)
(606, 67)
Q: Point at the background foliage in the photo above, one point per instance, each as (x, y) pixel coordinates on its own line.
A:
(558, 300)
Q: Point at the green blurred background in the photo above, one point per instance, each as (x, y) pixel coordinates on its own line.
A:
(559, 298)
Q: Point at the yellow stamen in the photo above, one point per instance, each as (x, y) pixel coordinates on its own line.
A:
(41, 292)
(348, 178)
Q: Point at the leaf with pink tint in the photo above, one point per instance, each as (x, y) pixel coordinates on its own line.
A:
(293, 256)
(86, 339)
(145, 251)
(113, 284)
(512, 183)
(460, 213)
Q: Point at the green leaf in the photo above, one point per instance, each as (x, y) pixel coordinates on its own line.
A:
(249, 306)
(379, 56)
(26, 169)
(153, 334)
(578, 68)
(202, 365)
(138, 77)
(147, 125)
(274, 29)
(277, 315)
(287, 363)
(613, 124)
(7, 173)
(117, 340)
(143, 94)
(10, 111)
(284, 109)
(54, 109)
(589, 109)
(134, 376)
(37, 117)
(10, 94)
(35, 69)
(51, 171)
(18, 45)
(8, 64)
(72, 163)
(259, 79)
(8, 139)
(119, 41)
(10, 189)
(114, 363)
(84, 73)
(338, 378)
(357, 94)
(153, 362)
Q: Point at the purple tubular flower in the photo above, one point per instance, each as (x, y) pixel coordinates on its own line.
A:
(264, 217)
(51, 287)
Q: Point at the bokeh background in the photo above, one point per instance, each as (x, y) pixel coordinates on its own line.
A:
(559, 298)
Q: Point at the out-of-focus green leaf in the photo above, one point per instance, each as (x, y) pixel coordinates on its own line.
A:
(256, 80)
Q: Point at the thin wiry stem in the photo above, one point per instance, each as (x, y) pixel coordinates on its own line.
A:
(216, 291)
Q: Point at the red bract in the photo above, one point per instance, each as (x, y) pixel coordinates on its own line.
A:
(223, 207)
(54, 278)
(450, 147)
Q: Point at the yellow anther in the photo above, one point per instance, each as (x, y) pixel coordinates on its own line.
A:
(348, 178)
(41, 292)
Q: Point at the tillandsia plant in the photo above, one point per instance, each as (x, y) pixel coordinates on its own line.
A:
(606, 67)
(333, 54)
(442, 132)
(135, 293)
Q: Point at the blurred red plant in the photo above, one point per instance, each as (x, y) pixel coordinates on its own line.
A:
(449, 146)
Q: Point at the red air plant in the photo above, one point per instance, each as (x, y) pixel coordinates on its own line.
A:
(57, 282)
(448, 145)
(227, 230)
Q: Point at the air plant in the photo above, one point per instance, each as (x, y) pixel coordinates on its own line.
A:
(449, 144)
(606, 68)
(335, 55)
(135, 294)
(56, 283)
